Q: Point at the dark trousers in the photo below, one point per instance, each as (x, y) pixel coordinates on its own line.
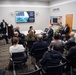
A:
(4, 36)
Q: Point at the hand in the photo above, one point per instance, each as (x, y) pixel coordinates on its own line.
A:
(6, 34)
(46, 34)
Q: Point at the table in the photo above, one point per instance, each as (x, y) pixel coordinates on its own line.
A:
(37, 32)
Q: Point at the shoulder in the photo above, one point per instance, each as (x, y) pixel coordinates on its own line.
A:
(20, 45)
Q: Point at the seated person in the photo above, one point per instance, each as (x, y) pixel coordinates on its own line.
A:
(65, 30)
(31, 36)
(59, 28)
(71, 41)
(72, 53)
(31, 29)
(39, 44)
(17, 29)
(20, 39)
(51, 58)
(57, 44)
(49, 34)
(16, 47)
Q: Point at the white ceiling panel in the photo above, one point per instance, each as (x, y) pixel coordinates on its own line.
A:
(37, 0)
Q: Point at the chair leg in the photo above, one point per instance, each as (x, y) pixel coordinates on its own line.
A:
(71, 70)
(14, 72)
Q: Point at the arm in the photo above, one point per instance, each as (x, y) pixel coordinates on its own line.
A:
(50, 34)
(43, 60)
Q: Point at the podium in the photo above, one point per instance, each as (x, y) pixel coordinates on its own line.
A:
(10, 31)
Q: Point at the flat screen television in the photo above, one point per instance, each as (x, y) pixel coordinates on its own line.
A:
(25, 16)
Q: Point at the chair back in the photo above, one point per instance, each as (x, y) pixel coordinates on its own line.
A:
(73, 61)
(36, 72)
(55, 70)
(30, 43)
(2, 72)
(38, 53)
(19, 57)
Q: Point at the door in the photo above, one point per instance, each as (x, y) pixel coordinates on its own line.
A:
(69, 20)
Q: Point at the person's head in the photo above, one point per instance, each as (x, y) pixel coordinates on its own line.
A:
(3, 20)
(31, 27)
(72, 34)
(39, 37)
(56, 36)
(17, 27)
(60, 24)
(66, 25)
(15, 40)
(16, 34)
(50, 26)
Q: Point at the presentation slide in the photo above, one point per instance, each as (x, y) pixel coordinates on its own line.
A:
(25, 16)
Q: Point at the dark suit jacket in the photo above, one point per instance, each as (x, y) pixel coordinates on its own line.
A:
(50, 33)
(67, 29)
(38, 44)
(4, 29)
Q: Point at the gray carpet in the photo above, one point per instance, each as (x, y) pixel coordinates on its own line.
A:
(4, 59)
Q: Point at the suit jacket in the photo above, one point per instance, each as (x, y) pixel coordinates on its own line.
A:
(38, 44)
(4, 28)
(66, 29)
(50, 33)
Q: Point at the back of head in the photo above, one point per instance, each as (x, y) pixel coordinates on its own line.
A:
(30, 27)
(56, 36)
(3, 20)
(72, 34)
(15, 40)
(39, 37)
(15, 33)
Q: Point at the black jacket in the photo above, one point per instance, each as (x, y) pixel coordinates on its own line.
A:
(51, 58)
(4, 28)
(50, 33)
(38, 44)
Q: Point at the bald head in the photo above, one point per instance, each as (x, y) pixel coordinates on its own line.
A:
(72, 34)
(39, 37)
(17, 27)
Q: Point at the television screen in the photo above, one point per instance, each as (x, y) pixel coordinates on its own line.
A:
(25, 16)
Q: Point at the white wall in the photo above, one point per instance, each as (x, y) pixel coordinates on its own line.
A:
(64, 8)
(42, 20)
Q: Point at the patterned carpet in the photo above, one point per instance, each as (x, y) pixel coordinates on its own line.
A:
(4, 59)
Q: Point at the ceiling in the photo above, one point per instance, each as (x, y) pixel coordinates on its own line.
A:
(37, 0)
(30, 0)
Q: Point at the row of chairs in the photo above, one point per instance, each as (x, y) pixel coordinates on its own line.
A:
(19, 58)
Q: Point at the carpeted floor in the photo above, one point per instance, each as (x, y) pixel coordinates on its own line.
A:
(4, 59)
